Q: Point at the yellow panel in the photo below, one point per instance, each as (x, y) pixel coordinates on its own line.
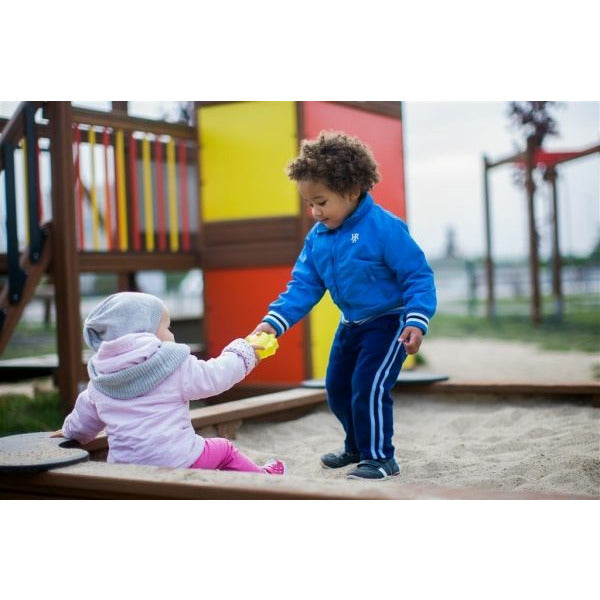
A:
(324, 319)
(245, 147)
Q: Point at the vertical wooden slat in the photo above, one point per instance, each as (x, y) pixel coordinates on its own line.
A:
(121, 194)
(94, 192)
(79, 189)
(108, 201)
(134, 193)
(185, 201)
(65, 262)
(148, 205)
(39, 181)
(160, 197)
(25, 189)
(172, 187)
(30, 157)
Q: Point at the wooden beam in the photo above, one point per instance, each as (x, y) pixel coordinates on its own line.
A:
(102, 481)
(118, 120)
(558, 391)
(126, 262)
(65, 263)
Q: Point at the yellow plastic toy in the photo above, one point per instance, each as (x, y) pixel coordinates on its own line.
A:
(267, 340)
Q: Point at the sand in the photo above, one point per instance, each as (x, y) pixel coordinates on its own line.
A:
(513, 444)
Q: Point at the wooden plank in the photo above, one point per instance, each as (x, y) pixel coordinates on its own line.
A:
(506, 388)
(123, 262)
(97, 480)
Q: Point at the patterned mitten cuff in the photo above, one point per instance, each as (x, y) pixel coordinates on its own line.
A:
(245, 351)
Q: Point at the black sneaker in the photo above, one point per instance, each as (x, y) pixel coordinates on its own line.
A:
(341, 459)
(375, 469)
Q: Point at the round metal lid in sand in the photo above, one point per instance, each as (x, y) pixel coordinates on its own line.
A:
(38, 452)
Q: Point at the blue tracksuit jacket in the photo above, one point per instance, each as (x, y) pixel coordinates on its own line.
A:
(371, 267)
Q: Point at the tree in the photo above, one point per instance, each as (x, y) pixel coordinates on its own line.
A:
(533, 118)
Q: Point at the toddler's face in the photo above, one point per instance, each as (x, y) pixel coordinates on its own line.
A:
(163, 333)
(327, 207)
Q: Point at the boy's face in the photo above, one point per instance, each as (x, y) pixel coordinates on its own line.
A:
(163, 333)
(327, 207)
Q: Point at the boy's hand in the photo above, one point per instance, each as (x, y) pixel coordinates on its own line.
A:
(264, 326)
(58, 433)
(411, 337)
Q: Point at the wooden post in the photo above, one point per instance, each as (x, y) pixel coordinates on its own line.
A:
(119, 106)
(489, 263)
(534, 266)
(550, 176)
(65, 260)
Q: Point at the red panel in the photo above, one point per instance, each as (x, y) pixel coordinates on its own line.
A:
(235, 300)
(549, 159)
(382, 134)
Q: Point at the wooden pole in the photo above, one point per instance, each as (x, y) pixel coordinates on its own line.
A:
(65, 262)
(489, 263)
(550, 176)
(534, 266)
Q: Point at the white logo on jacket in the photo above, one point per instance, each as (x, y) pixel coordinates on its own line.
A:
(354, 238)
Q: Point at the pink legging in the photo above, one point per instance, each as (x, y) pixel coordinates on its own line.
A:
(220, 453)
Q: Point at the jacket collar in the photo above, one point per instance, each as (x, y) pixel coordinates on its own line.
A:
(364, 207)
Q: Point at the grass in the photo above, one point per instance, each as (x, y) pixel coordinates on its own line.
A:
(579, 329)
(31, 340)
(22, 414)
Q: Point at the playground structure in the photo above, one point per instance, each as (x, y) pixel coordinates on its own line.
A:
(131, 194)
(530, 159)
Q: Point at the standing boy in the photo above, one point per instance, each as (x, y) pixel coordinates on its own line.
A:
(378, 277)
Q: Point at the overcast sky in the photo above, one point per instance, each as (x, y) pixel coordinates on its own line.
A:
(444, 143)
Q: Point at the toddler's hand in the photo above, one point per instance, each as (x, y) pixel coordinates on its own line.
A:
(257, 350)
(58, 433)
(411, 337)
(264, 344)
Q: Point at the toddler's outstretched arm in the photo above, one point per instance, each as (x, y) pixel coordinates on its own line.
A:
(206, 378)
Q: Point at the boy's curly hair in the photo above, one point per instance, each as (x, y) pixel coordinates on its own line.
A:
(340, 161)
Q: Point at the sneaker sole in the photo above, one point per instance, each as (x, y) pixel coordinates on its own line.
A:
(334, 468)
(373, 478)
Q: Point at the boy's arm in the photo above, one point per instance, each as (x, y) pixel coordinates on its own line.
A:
(304, 290)
(83, 423)
(415, 277)
(206, 378)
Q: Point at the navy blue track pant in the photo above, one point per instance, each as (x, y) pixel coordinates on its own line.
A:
(364, 363)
